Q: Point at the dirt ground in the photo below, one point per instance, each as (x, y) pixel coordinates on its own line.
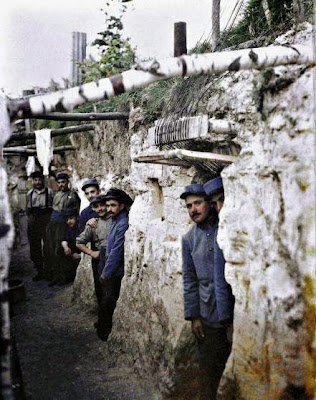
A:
(60, 355)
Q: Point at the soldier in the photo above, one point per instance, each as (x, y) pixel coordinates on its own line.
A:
(112, 267)
(91, 189)
(63, 199)
(96, 235)
(208, 300)
(39, 202)
(71, 255)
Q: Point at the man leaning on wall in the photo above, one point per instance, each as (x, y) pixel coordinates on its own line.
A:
(208, 300)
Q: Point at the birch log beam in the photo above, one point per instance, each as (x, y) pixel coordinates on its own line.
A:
(146, 73)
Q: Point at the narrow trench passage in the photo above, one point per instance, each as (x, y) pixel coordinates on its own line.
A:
(59, 352)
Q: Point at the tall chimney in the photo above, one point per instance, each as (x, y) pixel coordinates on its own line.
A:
(79, 44)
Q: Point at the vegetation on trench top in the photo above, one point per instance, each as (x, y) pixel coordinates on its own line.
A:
(117, 55)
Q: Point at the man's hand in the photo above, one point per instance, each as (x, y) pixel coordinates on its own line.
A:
(94, 254)
(67, 251)
(197, 328)
(76, 256)
(102, 279)
(93, 222)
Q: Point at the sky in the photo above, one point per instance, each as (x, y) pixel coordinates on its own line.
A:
(35, 40)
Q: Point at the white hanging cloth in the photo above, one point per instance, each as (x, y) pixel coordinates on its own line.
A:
(44, 148)
(30, 165)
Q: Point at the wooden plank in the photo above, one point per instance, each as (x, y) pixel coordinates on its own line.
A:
(182, 155)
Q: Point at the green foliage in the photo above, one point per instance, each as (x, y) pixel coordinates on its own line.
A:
(255, 26)
(116, 52)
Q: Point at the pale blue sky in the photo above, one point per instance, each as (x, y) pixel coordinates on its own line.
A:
(35, 40)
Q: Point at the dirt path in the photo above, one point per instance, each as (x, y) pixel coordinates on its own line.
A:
(60, 356)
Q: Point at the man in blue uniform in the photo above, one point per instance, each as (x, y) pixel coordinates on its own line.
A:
(112, 266)
(208, 300)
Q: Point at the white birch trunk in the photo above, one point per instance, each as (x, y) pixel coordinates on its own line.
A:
(146, 73)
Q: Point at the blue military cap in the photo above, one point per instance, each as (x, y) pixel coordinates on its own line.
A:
(213, 186)
(62, 175)
(101, 198)
(90, 182)
(195, 188)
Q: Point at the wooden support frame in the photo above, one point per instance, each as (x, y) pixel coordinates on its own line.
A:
(184, 158)
(109, 116)
(24, 151)
(54, 132)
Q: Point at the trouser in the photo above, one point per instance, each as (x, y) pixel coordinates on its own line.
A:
(36, 228)
(65, 270)
(110, 292)
(214, 350)
(54, 236)
(96, 276)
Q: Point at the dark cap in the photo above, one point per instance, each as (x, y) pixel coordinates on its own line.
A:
(70, 212)
(37, 174)
(213, 186)
(101, 198)
(195, 189)
(90, 182)
(120, 196)
(62, 175)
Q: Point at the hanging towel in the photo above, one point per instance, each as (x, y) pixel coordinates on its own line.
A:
(44, 148)
(30, 165)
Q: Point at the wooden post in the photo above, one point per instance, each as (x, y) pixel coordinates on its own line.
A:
(180, 39)
(299, 11)
(216, 6)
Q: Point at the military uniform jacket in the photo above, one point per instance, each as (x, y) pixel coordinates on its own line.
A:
(207, 295)
(63, 200)
(114, 264)
(98, 235)
(39, 199)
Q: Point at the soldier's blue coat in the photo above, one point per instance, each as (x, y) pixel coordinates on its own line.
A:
(114, 264)
(207, 295)
(86, 214)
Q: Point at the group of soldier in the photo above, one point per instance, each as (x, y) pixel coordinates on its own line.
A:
(208, 300)
(58, 235)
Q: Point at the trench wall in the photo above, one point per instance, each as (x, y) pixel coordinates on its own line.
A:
(267, 232)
